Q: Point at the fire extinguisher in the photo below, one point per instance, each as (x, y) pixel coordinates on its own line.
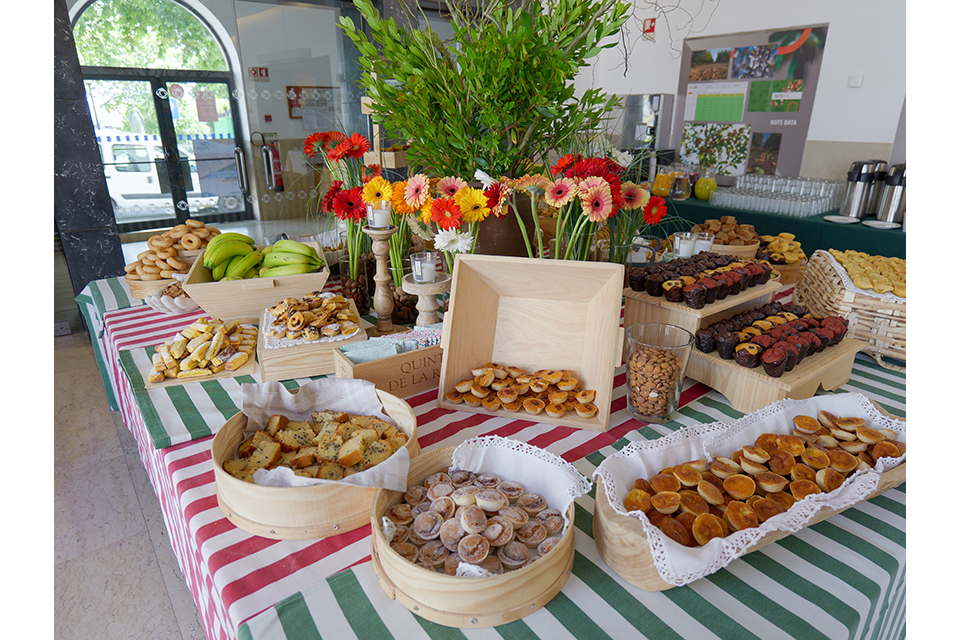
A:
(272, 168)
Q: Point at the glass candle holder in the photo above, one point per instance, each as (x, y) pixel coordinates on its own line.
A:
(684, 244)
(657, 357)
(424, 266)
(703, 242)
(378, 215)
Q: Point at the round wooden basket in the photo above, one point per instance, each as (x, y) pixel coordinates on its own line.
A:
(299, 513)
(790, 273)
(466, 603)
(882, 324)
(141, 289)
(741, 251)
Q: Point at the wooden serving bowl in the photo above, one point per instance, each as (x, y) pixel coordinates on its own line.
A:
(464, 603)
(299, 513)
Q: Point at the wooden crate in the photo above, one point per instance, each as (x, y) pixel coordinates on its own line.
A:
(298, 513)
(464, 603)
(302, 360)
(749, 390)
(403, 375)
(534, 314)
(642, 307)
(880, 323)
(246, 299)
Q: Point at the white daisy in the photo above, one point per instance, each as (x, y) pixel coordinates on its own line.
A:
(453, 241)
(485, 179)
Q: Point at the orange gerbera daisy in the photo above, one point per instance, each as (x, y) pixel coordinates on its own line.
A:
(398, 201)
(446, 213)
(634, 196)
(560, 193)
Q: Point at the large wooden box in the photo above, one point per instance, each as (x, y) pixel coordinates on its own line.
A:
(535, 314)
(403, 375)
(465, 603)
(245, 299)
(298, 513)
(301, 360)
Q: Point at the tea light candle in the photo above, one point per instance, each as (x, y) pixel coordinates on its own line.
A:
(378, 215)
(424, 266)
(704, 242)
(684, 244)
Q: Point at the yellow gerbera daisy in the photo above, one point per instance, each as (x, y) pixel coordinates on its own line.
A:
(472, 203)
(376, 190)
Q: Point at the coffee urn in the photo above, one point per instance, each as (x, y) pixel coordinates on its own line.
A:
(859, 180)
(873, 196)
(892, 204)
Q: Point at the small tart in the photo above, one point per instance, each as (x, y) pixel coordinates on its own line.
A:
(465, 495)
(514, 372)
(766, 508)
(686, 475)
(586, 410)
(865, 460)
(462, 478)
(692, 502)
(445, 506)
(829, 479)
(666, 502)
(508, 394)
(827, 419)
(532, 533)
(493, 565)
(854, 446)
(401, 533)
(800, 489)
(753, 468)
(547, 545)
(828, 442)
(451, 563)
(512, 407)
(770, 482)
(638, 500)
(433, 553)
(450, 533)
(532, 503)
(480, 391)
(739, 516)
(488, 481)
(781, 461)
(842, 461)
(533, 405)
(815, 458)
(464, 386)
(664, 482)
(415, 495)
(869, 435)
(785, 499)
(454, 396)
(766, 441)
(552, 520)
(427, 525)
(435, 478)
(515, 515)
(643, 483)
(801, 471)
(706, 527)
(568, 384)
(755, 454)
(885, 450)
(672, 528)
(806, 424)
(712, 494)
(511, 489)
(440, 489)
(843, 435)
(472, 400)
(472, 519)
(789, 443)
(485, 378)
(721, 469)
(556, 410)
(491, 500)
(407, 550)
(514, 554)
(491, 403)
(400, 514)
(473, 548)
(586, 396)
(499, 531)
(740, 486)
(539, 385)
(850, 423)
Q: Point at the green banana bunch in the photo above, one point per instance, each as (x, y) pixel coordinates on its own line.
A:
(240, 265)
(211, 254)
(287, 270)
(225, 251)
(290, 253)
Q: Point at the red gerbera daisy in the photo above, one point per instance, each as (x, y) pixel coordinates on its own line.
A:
(446, 213)
(348, 205)
(376, 171)
(496, 195)
(564, 163)
(332, 192)
(655, 210)
(357, 145)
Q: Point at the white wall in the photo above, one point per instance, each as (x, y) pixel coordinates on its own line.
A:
(864, 37)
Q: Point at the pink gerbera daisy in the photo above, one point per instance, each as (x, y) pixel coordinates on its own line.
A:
(560, 192)
(592, 181)
(449, 186)
(417, 191)
(597, 203)
(634, 196)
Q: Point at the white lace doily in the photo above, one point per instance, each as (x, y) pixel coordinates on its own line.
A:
(680, 565)
(848, 283)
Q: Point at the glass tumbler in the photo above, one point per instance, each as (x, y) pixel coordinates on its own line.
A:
(657, 358)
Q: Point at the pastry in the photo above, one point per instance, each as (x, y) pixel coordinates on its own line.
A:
(416, 494)
(801, 471)
(451, 563)
(400, 514)
(672, 528)
(435, 478)
(766, 508)
(473, 548)
(465, 495)
(454, 396)
(479, 391)
(552, 520)
(721, 469)
(586, 410)
(815, 458)
(739, 486)
(450, 533)
(586, 396)
(533, 405)
(514, 554)
(709, 492)
(752, 468)
(829, 479)
(445, 506)
(532, 503)
(706, 527)
(499, 531)
(491, 403)
(638, 500)
(512, 490)
(686, 475)
(433, 553)
(427, 525)
(515, 515)
(666, 502)
(487, 481)
(800, 489)
(790, 444)
(407, 550)
(692, 502)
(440, 489)
(508, 394)
(512, 407)
(492, 565)
(842, 461)
(739, 516)
(531, 534)
(472, 519)
(568, 384)
(664, 482)
(770, 482)
(885, 450)
(491, 500)
(547, 545)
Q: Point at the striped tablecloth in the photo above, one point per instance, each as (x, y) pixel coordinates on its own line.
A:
(841, 578)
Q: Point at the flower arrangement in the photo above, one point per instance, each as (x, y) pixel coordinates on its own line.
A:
(345, 197)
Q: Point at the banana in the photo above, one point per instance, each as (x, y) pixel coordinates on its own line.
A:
(225, 251)
(251, 273)
(293, 246)
(277, 259)
(287, 270)
(219, 270)
(223, 238)
(239, 265)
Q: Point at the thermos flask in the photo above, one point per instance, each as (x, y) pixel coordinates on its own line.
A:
(893, 195)
(859, 180)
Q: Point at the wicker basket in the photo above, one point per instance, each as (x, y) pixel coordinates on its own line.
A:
(882, 324)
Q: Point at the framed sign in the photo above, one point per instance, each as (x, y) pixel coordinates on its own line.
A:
(318, 107)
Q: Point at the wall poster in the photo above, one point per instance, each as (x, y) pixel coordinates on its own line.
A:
(744, 100)
(318, 107)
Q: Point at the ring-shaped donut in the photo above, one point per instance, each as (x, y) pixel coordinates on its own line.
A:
(190, 242)
(165, 253)
(179, 231)
(194, 224)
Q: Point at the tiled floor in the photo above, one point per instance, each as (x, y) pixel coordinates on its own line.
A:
(115, 573)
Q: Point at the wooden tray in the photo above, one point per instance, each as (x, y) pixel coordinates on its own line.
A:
(623, 545)
(749, 390)
(248, 369)
(298, 513)
(302, 360)
(465, 603)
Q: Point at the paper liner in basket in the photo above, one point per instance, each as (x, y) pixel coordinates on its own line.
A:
(680, 565)
(537, 470)
(355, 396)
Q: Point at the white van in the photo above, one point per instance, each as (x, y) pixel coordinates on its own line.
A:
(137, 190)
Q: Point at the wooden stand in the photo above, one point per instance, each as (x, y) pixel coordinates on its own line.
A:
(382, 297)
(427, 293)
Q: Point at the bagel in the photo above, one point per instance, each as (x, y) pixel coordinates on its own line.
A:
(177, 264)
(166, 252)
(190, 242)
(194, 224)
(178, 231)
